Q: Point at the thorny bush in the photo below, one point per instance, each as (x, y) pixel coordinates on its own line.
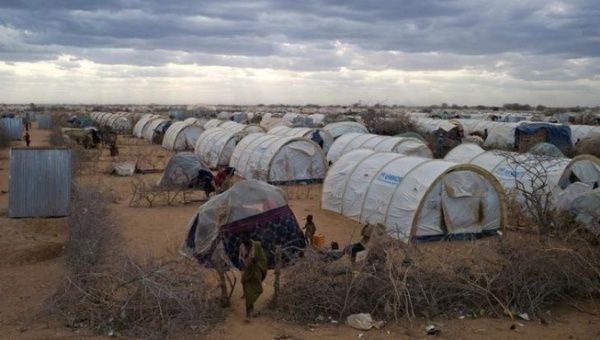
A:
(491, 277)
(111, 293)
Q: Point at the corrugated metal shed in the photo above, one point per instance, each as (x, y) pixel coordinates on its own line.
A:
(14, 127)
(39, 182)
(44, 122)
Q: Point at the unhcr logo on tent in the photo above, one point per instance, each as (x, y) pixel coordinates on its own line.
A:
(389, 178)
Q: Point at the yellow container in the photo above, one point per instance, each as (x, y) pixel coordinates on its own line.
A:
(318, 240)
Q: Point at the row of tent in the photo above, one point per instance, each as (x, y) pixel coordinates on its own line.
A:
(565, 178)
(508, 134)
(121, 122)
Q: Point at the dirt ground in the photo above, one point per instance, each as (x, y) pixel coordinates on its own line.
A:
(31, 269)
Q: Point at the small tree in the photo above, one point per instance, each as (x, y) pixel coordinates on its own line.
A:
(531, 174)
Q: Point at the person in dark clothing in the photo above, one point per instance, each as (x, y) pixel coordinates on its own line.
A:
(316, 137)
(114, 151)
(309, 229)
(27, 138)
(205, 182)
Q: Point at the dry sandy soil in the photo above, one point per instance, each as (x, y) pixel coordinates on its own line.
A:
(31, 269)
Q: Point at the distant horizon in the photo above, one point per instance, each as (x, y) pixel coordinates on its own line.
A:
(439, 105)
(401, 52)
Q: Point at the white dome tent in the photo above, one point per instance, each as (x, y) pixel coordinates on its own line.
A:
(277, 159)
(341, 128)
(215, 146)
(402, 145)
(507, 167)
(415, 198)
(138, 129)
(242, 128)
(149, 129)
(213, 123)
(580, 132)
(181, 136)
(304, 132)
(181, 170)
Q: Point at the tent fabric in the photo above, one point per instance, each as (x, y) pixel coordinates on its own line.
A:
(121, 122)
(181, 170)
(215, 146)
(353, 141)
(304, 132)
(414, 197)
(559, 135)
(242, 128)
(580, 132)
(338, 129)
(586, 209)
(411, 134)
(124, 168)
(546, 149)
(464, 153)
(249, 206)
(181, 136)
(270, 120)
(213, 123)
(510, 167)
(149, 130)
(277, 159)
(138, 128)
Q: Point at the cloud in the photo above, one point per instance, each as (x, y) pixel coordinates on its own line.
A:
(531, 42)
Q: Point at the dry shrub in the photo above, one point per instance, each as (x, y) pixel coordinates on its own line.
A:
(92, 230)
(4, 138)
(378, 123)
(491, 277)
(57, 138)
(149, 299)
(109, 292)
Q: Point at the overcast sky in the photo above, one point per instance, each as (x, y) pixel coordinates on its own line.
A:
(301, 51)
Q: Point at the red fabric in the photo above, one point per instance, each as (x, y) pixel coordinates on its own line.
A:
(220, 178)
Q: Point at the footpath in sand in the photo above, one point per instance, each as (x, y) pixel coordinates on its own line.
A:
(31, 269)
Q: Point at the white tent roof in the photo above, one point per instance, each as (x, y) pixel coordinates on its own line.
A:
(242, 128)
(464, 153)
(213, 123)
(407, 194)
(215, 146)
(148, 132)
(507, 167)
(304, 132)
(429, 125)
(181, 170)
(270, 120)
(402, 145)
(276, 159)
(138, 129)
(341, 128)
(579, 132)
(181, 136)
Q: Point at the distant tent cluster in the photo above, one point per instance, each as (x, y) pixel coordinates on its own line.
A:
(121, 122)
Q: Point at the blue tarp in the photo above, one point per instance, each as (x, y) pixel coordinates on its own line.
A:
(558, 135)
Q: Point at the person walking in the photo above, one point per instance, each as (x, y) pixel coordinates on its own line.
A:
(253, 263)
(27, 139)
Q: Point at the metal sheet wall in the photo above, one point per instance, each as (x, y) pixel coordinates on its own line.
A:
(44, 122)
(14, 127)
(39, 182)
